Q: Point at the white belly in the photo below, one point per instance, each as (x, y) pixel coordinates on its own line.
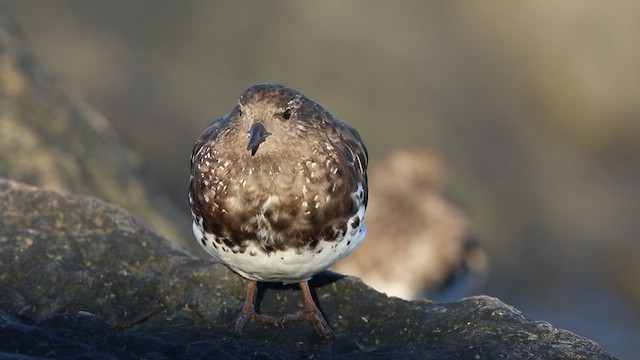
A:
(288, 266)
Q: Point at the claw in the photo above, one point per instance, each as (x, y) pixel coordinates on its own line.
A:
(245, 316)
(321, 326)
(310, 313)
(248, 312)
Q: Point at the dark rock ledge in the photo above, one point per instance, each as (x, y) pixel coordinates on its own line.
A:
(80, 278)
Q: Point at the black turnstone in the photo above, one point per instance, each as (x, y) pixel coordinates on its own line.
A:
(278, 192)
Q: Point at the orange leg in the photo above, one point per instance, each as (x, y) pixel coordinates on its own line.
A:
(310, 313)
(248, 312)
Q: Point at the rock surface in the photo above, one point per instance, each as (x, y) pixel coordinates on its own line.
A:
(80, 278)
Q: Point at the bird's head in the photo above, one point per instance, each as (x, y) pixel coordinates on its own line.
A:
(273, 113)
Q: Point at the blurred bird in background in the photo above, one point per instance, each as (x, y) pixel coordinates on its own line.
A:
(418, 243)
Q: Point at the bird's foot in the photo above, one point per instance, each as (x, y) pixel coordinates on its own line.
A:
(245, 316)
(313, 315)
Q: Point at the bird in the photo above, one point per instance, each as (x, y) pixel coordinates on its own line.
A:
(278, 193)
(414, 217)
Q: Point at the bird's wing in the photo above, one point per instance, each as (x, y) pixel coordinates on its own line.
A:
(209, 134)
(354, 145)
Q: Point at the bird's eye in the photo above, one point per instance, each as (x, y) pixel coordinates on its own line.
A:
(286, 114)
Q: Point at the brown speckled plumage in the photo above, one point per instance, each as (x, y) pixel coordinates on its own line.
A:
(278, 178)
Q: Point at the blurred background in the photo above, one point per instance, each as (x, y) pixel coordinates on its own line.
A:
(533, 106)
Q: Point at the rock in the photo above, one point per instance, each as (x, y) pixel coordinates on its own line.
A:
(51, 138)
(82, 278)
